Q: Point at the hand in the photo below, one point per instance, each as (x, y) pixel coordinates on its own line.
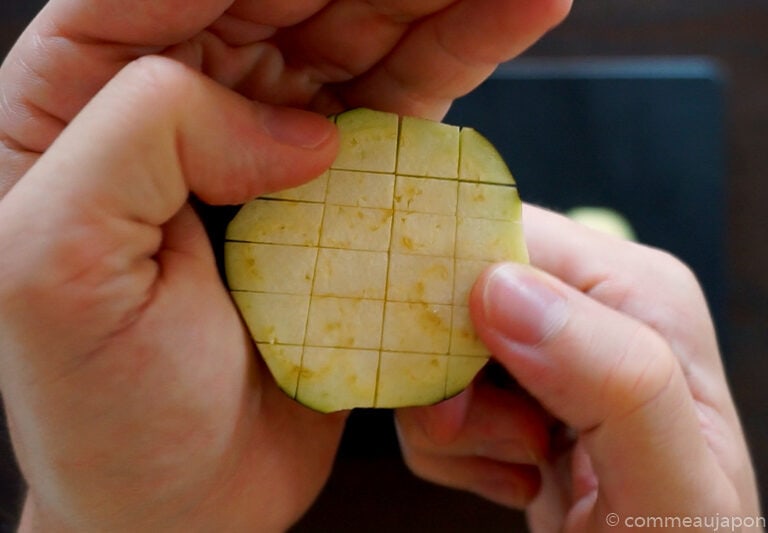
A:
(133, 395)
(613, 342)
(411, 57)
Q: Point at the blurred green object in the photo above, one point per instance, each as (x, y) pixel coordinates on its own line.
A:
(603, 219)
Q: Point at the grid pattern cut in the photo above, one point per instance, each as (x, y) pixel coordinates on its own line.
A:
(361, 275)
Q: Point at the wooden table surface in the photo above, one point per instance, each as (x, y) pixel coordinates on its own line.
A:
(735, 32)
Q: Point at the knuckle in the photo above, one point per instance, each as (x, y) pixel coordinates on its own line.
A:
(661, 290)
(676, 271)
(163, 81)
(679, 307)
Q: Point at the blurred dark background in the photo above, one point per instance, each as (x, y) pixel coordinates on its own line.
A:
(705, 66)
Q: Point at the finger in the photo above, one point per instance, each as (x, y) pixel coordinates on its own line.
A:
(452, 52)
(507, 484)
(73, 48)
(640, 281)
(613, 379)
(340, 41)
(187, 122)
(350, 36)
(620, 274)
(484, 421)
(276, 13)
(310, 63)
(162, 130)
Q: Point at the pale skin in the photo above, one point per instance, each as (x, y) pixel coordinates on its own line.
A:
(134, 396)
(135, 399)
(616, 344)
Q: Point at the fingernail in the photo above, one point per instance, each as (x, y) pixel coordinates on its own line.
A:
(521, 306)
(297, 128)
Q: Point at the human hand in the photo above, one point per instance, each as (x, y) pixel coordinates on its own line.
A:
(122, 374)
(410, 57)
(134, 398)
(612, 340)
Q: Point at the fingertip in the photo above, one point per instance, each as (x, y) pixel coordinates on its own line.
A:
(556, 11)
(299, 128)
(308, 141)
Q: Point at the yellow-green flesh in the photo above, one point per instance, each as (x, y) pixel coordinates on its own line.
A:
(355, 285)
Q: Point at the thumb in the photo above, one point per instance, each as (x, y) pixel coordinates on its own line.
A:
(160, 130)
(611, 378)
(80, 234)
